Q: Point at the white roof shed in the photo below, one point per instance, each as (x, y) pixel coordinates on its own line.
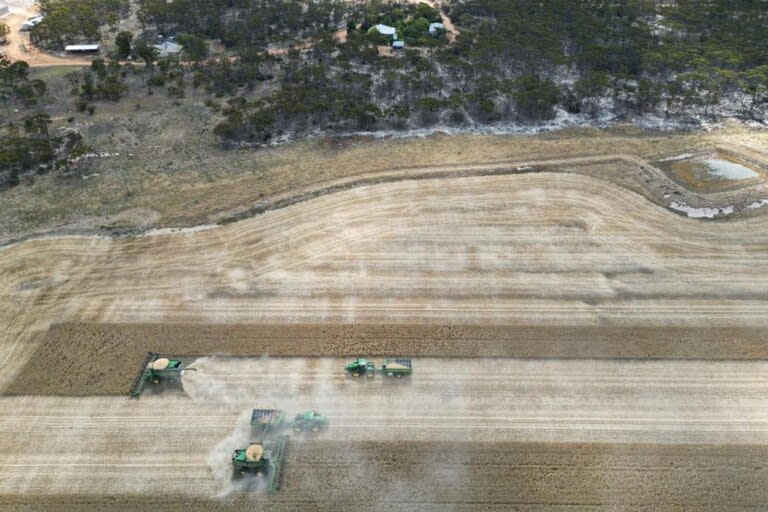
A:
(386, 30)
(434, 27)
(82, 48)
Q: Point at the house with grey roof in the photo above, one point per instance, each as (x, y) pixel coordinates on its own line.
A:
(167, 49)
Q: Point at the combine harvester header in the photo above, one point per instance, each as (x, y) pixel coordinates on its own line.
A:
(157, 370)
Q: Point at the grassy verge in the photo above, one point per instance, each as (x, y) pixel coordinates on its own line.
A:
(160, 165)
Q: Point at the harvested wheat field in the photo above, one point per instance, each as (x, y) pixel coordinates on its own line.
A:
(577, 345)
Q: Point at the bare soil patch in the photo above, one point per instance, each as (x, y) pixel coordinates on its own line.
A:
(418, 476)
(76, 359)
(20, 47)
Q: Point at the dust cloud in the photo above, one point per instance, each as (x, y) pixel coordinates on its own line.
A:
(219, 459)
(448, 403)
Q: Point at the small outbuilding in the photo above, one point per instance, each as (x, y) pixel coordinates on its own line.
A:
(435, 29)
(30, 23)
(386, 30)
(167, 49)
(398, 45)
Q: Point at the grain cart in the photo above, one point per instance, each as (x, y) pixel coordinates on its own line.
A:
(397, 367)
(261, 460)
(360, 367)
(267, 420)
(390, 367)
(157, 370)
(310, 421)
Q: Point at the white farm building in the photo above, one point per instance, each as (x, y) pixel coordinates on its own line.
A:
(386, 30)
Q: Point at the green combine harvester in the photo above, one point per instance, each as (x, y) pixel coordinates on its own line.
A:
(265, 421)
(158, 370)
(261, 460)
(397, 368)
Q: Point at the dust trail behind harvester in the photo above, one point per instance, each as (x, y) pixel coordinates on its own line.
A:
(248, 383)
(504, 400)
(448, 403)
(219, 459)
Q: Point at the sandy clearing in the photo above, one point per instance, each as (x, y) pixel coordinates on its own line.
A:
(20, 48)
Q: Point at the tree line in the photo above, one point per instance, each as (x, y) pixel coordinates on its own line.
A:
(513, 60)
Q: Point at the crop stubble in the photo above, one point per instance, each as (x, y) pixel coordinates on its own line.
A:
(673, 268)
(527, 477)
(77, 359)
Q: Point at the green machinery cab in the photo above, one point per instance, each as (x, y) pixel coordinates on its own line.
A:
(261, 460)
(360, 367)
(310, 421)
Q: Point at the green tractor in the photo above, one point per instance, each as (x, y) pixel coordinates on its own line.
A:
(390, 367)
(310, 421)
(360, 367)
(261, 461)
